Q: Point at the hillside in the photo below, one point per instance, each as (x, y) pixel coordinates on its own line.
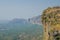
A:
(20, 29)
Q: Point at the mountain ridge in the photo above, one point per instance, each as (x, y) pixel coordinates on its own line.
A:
(35, 20)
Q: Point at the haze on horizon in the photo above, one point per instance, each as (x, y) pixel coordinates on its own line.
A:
(10, 9)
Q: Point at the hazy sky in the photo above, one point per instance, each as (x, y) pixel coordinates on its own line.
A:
(10, 9)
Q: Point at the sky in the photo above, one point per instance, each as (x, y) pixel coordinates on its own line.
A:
(10, 9)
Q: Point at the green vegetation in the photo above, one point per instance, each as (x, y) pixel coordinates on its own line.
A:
(21, 32)
(51, 16)
(51, 23)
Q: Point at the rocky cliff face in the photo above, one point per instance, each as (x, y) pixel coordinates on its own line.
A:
(35, 20)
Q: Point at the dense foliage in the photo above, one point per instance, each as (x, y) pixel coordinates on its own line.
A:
(51, 16)
(51, 23)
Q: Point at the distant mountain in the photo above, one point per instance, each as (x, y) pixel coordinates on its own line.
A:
(12, 23)
(35, 20)
(19, 21)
